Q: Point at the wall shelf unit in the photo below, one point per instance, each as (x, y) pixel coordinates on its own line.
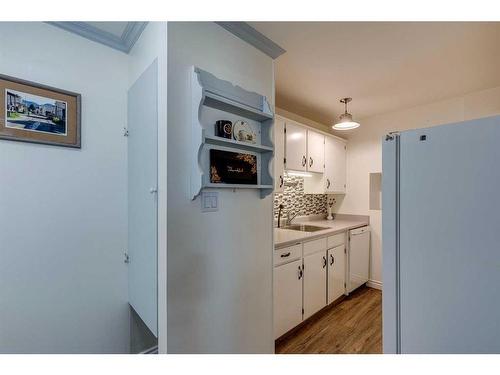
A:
(218, 141)
(214, 99)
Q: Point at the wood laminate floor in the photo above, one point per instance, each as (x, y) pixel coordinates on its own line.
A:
(353, 326)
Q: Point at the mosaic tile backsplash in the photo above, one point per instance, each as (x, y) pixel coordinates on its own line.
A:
(293, 198)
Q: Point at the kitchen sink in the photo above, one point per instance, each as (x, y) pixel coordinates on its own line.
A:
(304, 227)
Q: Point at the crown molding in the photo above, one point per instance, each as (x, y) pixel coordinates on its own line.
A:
(248, 34)
(124, 43)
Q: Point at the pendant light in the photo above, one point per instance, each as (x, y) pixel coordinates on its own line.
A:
(345, 119)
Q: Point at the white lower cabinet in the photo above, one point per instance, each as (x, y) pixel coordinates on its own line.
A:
(315, 266)
(336, 272)
(287, 297)
(307, 277)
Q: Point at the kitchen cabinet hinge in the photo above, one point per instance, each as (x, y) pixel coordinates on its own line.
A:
(284, 160)
(125, 132)
(126, 257)
(302, 311)
(284, 130)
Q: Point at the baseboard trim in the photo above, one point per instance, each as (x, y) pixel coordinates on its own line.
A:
(374, 284)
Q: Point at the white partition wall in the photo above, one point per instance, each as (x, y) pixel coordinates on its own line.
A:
(219, 263)
(63, 282)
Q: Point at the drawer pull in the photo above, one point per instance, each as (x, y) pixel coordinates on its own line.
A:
(324, 262)
(332, 260)
(285, 255)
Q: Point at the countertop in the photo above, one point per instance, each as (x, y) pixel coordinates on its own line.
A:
(287, 237)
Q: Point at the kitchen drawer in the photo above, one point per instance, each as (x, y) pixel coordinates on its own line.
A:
(312, 247)
(287, 254)
(336, 240)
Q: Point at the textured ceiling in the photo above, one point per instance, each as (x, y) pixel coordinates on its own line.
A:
(383, 66)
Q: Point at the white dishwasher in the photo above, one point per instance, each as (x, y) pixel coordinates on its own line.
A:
(359, 258)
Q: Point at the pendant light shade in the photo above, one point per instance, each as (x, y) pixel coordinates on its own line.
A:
(345, 120)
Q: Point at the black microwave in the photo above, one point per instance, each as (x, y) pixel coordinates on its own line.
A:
(228, 167)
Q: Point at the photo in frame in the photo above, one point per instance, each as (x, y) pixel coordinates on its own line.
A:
(30, 112)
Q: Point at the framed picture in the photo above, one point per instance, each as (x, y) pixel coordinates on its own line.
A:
(35, 113)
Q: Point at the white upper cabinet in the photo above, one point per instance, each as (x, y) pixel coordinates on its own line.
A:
(295, 147)
(335, 165)
(315, 151)
(312, 151)
(279, 153)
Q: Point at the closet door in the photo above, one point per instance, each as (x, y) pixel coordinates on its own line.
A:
(142, 197)
(296, 152)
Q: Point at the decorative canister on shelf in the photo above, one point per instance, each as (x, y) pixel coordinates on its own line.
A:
(224, 129)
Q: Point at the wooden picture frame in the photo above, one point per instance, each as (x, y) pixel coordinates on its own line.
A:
(35, 113)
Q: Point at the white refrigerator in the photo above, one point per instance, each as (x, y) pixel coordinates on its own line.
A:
(441, 253)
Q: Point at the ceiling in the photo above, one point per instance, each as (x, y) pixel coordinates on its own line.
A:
(383, 66)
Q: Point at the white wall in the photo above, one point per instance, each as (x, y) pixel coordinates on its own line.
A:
(219, 263)
(364, 154)
(153, 45)
(63, 222)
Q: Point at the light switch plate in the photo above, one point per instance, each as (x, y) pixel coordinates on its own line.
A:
(209, 201)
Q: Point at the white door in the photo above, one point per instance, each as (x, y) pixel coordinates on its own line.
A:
(315, 151)
(314, 283)
(142, 200)
(279, 154)
(295, 148)
(335, 165)
(287, 297)
(336, 273)
(359, 257)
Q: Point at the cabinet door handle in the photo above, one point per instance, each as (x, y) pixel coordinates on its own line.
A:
(281, 181)
(285, 255)
(311, 161)
(304, 161)
(332, 260)
(324, 262)
(328, 183)
(301, 273)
